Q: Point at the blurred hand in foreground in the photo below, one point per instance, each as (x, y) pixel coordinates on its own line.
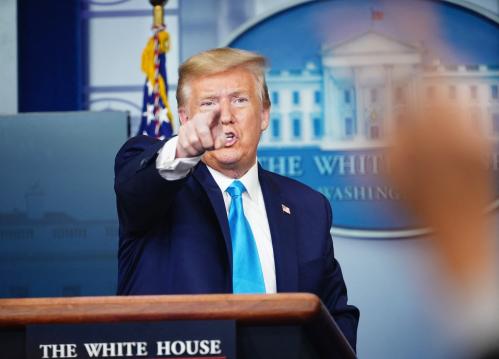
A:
(439, 164)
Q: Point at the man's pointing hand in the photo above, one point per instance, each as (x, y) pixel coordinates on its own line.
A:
(201, 133)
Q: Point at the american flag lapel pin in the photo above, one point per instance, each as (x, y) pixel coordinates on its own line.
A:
(285, 209)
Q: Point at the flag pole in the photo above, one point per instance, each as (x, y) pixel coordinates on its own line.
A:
(158, 13)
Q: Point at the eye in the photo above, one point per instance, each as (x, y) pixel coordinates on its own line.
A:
(240, 100)
(207, 103)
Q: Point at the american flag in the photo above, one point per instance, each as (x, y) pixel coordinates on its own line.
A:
(157, 117)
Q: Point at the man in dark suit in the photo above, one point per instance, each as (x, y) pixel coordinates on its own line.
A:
(199, 215)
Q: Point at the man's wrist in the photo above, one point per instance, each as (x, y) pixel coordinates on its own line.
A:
(171, 167)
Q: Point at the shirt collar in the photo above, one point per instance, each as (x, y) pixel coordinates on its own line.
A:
(249, 180)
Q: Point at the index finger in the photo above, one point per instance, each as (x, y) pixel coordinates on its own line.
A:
(208, 118)
(215, 119)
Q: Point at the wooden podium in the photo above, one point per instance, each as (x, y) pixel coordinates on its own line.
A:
(267, 326)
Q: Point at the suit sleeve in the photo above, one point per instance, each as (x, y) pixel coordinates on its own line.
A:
(334, 293)
(142, 195)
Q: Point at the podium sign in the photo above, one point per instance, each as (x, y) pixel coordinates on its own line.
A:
(213, 339)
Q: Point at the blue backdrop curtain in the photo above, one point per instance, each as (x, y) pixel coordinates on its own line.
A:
(51, 55)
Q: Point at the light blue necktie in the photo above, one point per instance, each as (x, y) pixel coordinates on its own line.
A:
(247, 276)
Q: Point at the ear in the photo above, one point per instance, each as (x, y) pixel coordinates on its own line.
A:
(265, 118)
(182, 113)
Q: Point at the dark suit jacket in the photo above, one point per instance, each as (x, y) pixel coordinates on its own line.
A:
(174, 235)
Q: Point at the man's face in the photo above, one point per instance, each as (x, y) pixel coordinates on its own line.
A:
(234, 94)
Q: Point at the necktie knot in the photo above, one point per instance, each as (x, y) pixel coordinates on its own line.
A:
(235, 189)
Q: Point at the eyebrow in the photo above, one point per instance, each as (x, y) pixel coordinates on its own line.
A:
(208, 97)
(212, 96)
(239, 93)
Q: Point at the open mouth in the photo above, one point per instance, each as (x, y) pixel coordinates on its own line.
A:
(230, 139)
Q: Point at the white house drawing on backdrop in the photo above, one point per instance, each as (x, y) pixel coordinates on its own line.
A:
(362, 89)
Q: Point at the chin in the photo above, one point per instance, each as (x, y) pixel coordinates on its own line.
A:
(228, 159)
(225, 157)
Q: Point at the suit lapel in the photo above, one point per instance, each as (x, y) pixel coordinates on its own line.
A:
(282, 232)
(281, 225)
(211, 188)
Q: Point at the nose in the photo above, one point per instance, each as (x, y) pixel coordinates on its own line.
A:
(225, 112)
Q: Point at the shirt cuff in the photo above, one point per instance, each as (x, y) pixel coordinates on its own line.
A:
(171, 168)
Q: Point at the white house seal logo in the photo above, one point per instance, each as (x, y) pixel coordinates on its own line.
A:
(343, 76)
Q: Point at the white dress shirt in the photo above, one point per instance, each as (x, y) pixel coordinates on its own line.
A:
(172, 168)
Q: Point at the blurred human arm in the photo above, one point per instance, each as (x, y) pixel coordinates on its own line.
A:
(438, 163)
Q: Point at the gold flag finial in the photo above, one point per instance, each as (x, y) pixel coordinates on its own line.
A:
(158, 13)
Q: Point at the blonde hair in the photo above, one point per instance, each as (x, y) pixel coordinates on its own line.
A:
(218, 60)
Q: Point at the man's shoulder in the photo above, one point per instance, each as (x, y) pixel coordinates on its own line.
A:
(291, 187)
(141, 148)
(139, 142)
